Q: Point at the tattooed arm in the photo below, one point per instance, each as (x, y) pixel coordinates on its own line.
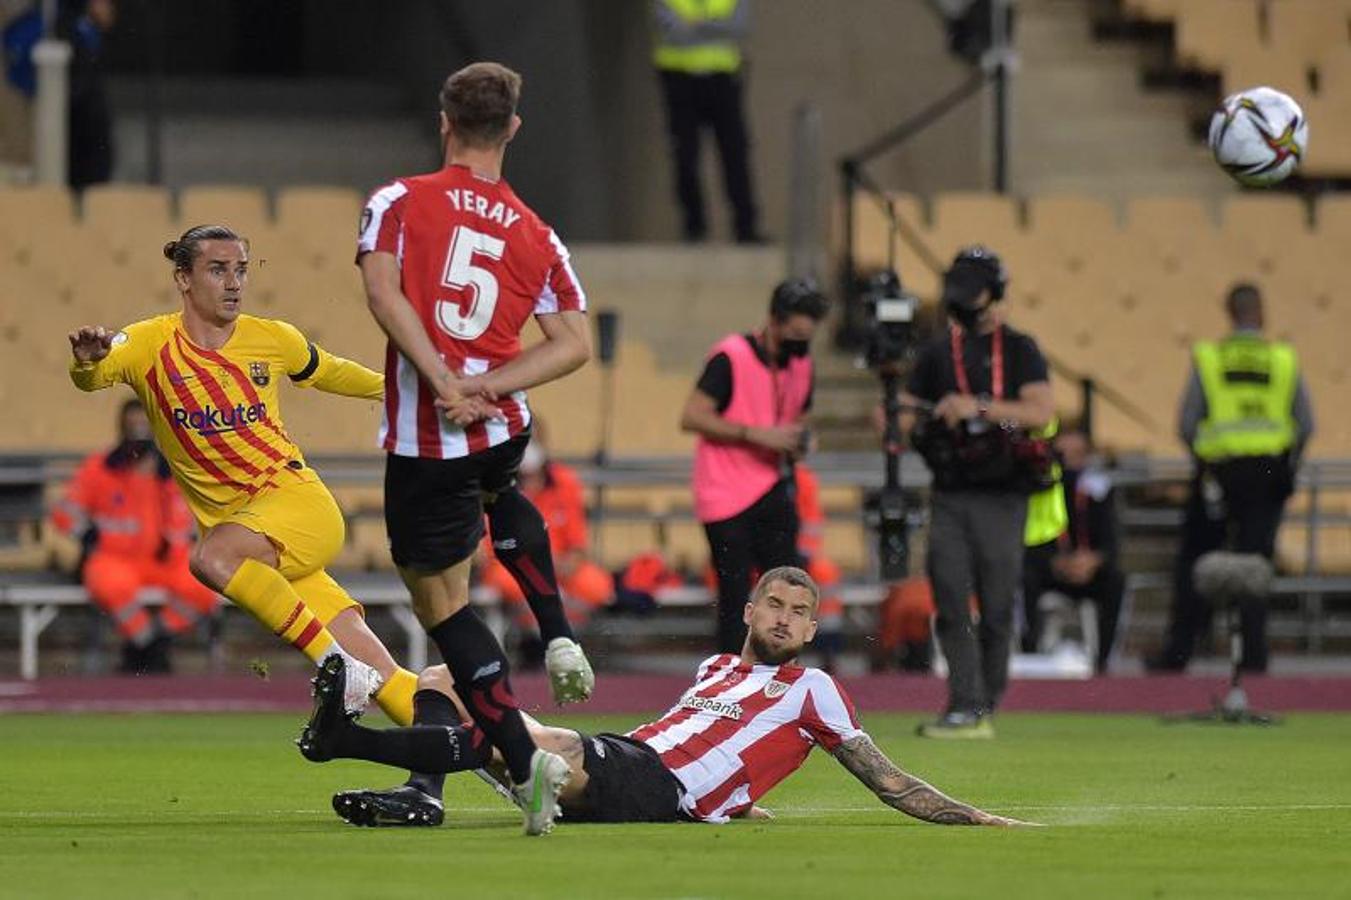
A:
(909, 794)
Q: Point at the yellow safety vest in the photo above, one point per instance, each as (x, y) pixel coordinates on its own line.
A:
(699, 59)
(1047, 514)
(1249, 384)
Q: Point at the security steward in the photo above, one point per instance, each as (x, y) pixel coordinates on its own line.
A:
(698, 56)
(1246, 418)
(989, 403)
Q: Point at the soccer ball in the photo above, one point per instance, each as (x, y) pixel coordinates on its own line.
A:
(1259, 136)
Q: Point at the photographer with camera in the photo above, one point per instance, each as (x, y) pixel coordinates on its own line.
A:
(748, 411)
(980, 402)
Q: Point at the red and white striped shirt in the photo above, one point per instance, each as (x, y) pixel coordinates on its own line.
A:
(741, 729)
(476, 263)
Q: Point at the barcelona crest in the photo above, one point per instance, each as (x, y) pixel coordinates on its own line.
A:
(258, 371)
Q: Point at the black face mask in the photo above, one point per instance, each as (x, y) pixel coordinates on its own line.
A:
(793, 349)
(130, 451)
(965, 315)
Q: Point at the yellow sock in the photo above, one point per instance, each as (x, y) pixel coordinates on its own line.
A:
(269, 598)
(396, 696)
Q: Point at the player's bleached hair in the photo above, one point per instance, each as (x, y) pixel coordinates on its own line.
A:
(479, 101)
(790, 575)
(184, 251)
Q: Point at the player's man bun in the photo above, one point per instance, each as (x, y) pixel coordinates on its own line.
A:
(184, 251)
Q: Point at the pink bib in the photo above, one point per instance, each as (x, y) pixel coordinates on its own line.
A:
(729, 478)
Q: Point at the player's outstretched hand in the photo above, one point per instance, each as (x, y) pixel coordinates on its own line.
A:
(90, 343)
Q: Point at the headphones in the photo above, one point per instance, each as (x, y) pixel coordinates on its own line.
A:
(797, 296)
(984, 261)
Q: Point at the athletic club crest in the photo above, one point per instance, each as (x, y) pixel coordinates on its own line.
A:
(775, 689)
(258, 371)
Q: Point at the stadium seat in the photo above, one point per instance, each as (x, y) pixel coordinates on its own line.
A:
(317, 228)
(1209, 32)
(1276, 66)
(1073, 242)
(961, 219)
(243, 209)
(1269, 230)
(1171, 234)
(1332, 547)
(1307, 29)
(130, 223)
(37, 226)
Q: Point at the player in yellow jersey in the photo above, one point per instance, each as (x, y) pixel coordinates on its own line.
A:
(209, 379)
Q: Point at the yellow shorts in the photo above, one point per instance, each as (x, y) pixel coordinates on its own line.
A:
(303, 522)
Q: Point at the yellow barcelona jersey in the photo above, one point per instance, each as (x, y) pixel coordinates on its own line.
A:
(216, 413)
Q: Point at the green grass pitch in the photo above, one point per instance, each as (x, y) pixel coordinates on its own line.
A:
(223, 806)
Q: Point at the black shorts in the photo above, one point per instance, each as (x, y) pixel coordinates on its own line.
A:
(627, 783)
(434, 507)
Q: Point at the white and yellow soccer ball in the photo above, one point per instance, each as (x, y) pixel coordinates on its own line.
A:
(1259, 136)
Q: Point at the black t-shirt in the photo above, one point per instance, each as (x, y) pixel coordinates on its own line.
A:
(934, 376)
(716, 380)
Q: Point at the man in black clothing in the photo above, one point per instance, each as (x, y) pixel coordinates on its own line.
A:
(698, 57)
(90, 121)
(1083, 563)
(983, 380)
(748, 410)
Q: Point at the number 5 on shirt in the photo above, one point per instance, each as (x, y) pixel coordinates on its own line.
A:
(461, 273)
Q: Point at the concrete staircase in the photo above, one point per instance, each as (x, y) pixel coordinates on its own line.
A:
(1083, 122)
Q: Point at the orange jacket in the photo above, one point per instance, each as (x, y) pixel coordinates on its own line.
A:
(811, 517)
(562, 503)
(138, 514)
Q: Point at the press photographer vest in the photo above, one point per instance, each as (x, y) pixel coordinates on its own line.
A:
(728, 478)
(1249, 384)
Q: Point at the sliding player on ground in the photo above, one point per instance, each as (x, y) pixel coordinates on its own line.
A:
(746, 723)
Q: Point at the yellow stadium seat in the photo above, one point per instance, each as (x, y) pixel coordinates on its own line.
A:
(1332, 219)
(962, 219)
(37, 226)
(1271, 230)
(1307, 29)
(1071, 232)
(243, 209)
(25, 208)
(1210, 32)
(1276, 67)
(129, 223)
(1173, 233)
